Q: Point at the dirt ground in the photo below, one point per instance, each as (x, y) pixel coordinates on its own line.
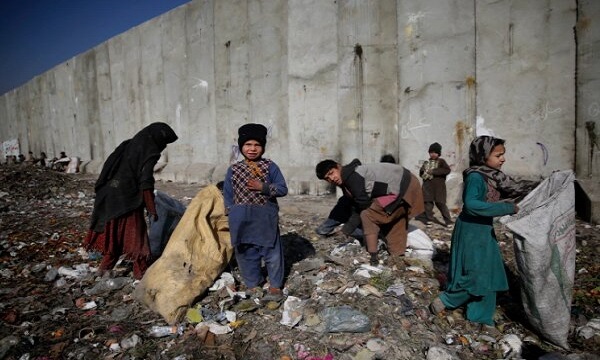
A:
(49, 311)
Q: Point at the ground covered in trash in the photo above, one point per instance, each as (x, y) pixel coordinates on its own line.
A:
(53, 306)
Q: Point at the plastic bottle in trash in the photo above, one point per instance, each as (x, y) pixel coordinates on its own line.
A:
(161, 331)
(108, 285)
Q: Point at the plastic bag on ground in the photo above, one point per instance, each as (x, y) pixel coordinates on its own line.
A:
(292, 311)
(345, 319)
(544, 244)
(419, 244)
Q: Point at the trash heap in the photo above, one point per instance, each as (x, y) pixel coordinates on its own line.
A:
(53, 305)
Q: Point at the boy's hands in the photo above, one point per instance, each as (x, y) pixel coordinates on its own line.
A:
(255, 185)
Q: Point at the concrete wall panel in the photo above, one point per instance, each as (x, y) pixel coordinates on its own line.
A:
(85, 117)
(588, 88)
(312, 83)
(267, 66)
(151, 73)
(175, 75)
(65, 101)
(231, 63)
(525, 81)
(367, 79)
(436, 102)
(117, 132)
(200, 82)
(101, 131)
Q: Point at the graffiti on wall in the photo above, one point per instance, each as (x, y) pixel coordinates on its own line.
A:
(10, 147)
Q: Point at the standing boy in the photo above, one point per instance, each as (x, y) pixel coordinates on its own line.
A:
(434, 172)
(250, 191)
(383, 194)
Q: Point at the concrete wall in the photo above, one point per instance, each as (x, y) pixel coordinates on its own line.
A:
(330, 79)
(588, 86)
(588, 104)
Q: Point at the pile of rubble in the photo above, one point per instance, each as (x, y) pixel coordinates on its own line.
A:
(52, 304)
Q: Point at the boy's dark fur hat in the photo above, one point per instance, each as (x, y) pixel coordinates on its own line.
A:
(323, 168)
(251, 131)
(435, 148)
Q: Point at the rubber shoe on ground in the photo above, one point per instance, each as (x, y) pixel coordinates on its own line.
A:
(490, 330)
(254, 293)
(328, 227)
(437, 306)
(273, 294)
(374, 260)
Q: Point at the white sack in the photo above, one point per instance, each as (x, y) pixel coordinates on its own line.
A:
(544, 244)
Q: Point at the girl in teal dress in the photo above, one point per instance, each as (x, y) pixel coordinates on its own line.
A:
(476, 272)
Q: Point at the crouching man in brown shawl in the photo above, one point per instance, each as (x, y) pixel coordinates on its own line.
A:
(124, 188)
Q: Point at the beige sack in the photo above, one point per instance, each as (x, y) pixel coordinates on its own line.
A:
(196, 254)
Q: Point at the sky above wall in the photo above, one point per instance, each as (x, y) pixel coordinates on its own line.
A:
(36, 35)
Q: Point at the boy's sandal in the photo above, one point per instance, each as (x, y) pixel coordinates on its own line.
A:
(275, 295)
(255, 293)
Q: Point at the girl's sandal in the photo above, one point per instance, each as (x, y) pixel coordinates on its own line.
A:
(437, 306)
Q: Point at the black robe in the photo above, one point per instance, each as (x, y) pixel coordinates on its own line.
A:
(127, 172)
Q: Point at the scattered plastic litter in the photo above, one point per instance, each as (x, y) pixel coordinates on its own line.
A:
(162, 331)
(345, 319)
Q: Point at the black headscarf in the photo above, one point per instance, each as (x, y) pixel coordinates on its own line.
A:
(479, 150)
(127, 172)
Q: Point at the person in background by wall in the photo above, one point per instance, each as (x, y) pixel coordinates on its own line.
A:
(342, 211)
(476, 270)
(383, 195)
(61, 163)
(29, 158)
(125, 187)
(250, 192)
(434, 172)
(11, 159)
(42, 159)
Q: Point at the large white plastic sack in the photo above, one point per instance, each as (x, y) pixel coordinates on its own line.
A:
(544, 244)
(419, 244)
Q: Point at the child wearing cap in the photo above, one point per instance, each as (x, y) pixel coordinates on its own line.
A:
(250, 191)
(434, 172)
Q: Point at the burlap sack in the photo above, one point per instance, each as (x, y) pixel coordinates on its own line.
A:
(196, 254)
